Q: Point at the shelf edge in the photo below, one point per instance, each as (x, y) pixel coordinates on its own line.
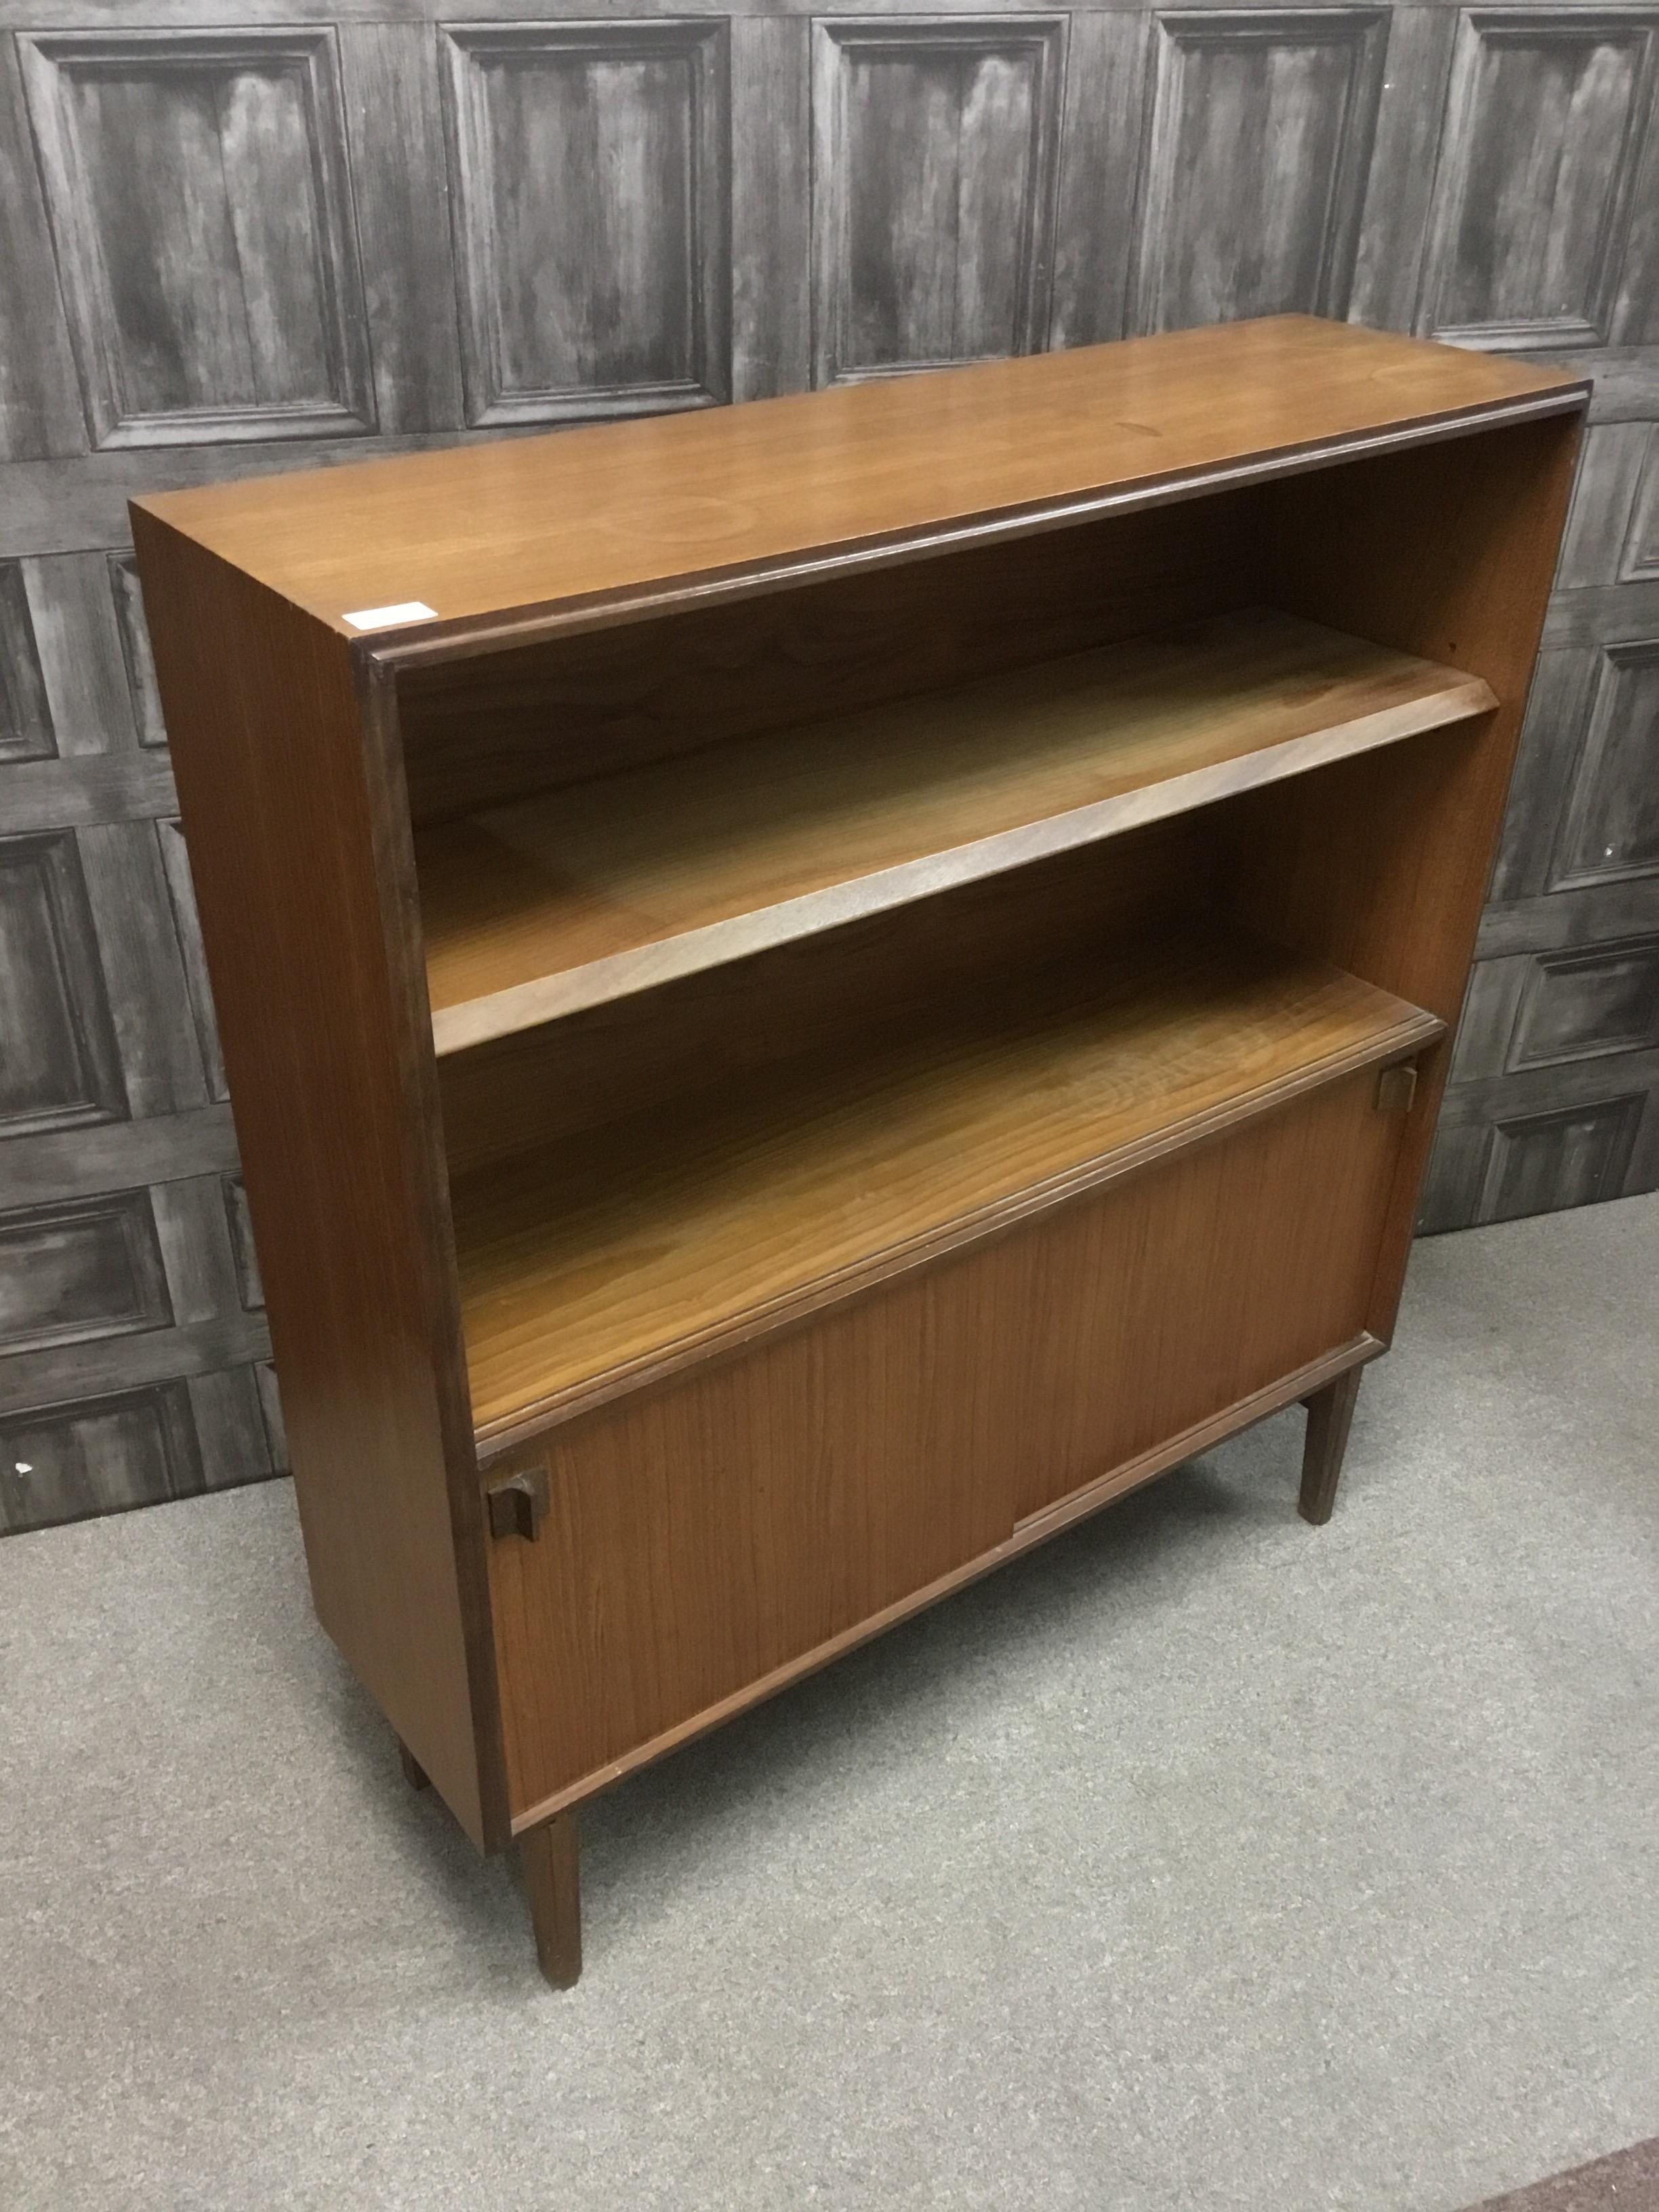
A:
(1410, 1032)
(527, 1005)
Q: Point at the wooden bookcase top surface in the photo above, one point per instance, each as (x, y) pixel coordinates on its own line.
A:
(667, 1232)
(592, 890)
(651, 507)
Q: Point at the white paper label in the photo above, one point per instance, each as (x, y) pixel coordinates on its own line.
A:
(406, 610)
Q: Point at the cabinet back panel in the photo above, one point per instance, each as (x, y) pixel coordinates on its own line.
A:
(705, 1533)
(481, 731)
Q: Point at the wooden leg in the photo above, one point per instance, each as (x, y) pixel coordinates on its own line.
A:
(414, 1774)
(1330, 1415)
(553, 1883)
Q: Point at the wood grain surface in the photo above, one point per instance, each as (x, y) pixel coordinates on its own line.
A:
(824, 996)
(301, 851)
(492, 727)
(705, 1535)
(894, 463)
(1186, 1443)
(665, 1233)
(610, 886)
(1382, 866)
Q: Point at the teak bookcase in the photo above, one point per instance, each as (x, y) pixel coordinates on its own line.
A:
(813, 991)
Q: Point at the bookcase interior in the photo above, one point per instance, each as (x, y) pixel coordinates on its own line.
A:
(774, 945)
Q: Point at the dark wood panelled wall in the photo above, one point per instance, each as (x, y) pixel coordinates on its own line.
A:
(238, 239)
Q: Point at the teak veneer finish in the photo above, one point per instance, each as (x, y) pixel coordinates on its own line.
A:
(624, 1252)
(901, 465)
(961, 1405)
(590, 892)
(750, 1117)
(557, 704)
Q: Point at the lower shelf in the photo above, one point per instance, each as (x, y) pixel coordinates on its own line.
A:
(630, 1249)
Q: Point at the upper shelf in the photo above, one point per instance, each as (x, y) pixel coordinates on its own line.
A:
(863, 471)
(600, 889)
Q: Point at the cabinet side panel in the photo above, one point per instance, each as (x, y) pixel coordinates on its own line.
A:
(1382, 863)
(289, 796)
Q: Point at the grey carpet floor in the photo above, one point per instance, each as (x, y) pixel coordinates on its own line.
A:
(1202, 1859)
